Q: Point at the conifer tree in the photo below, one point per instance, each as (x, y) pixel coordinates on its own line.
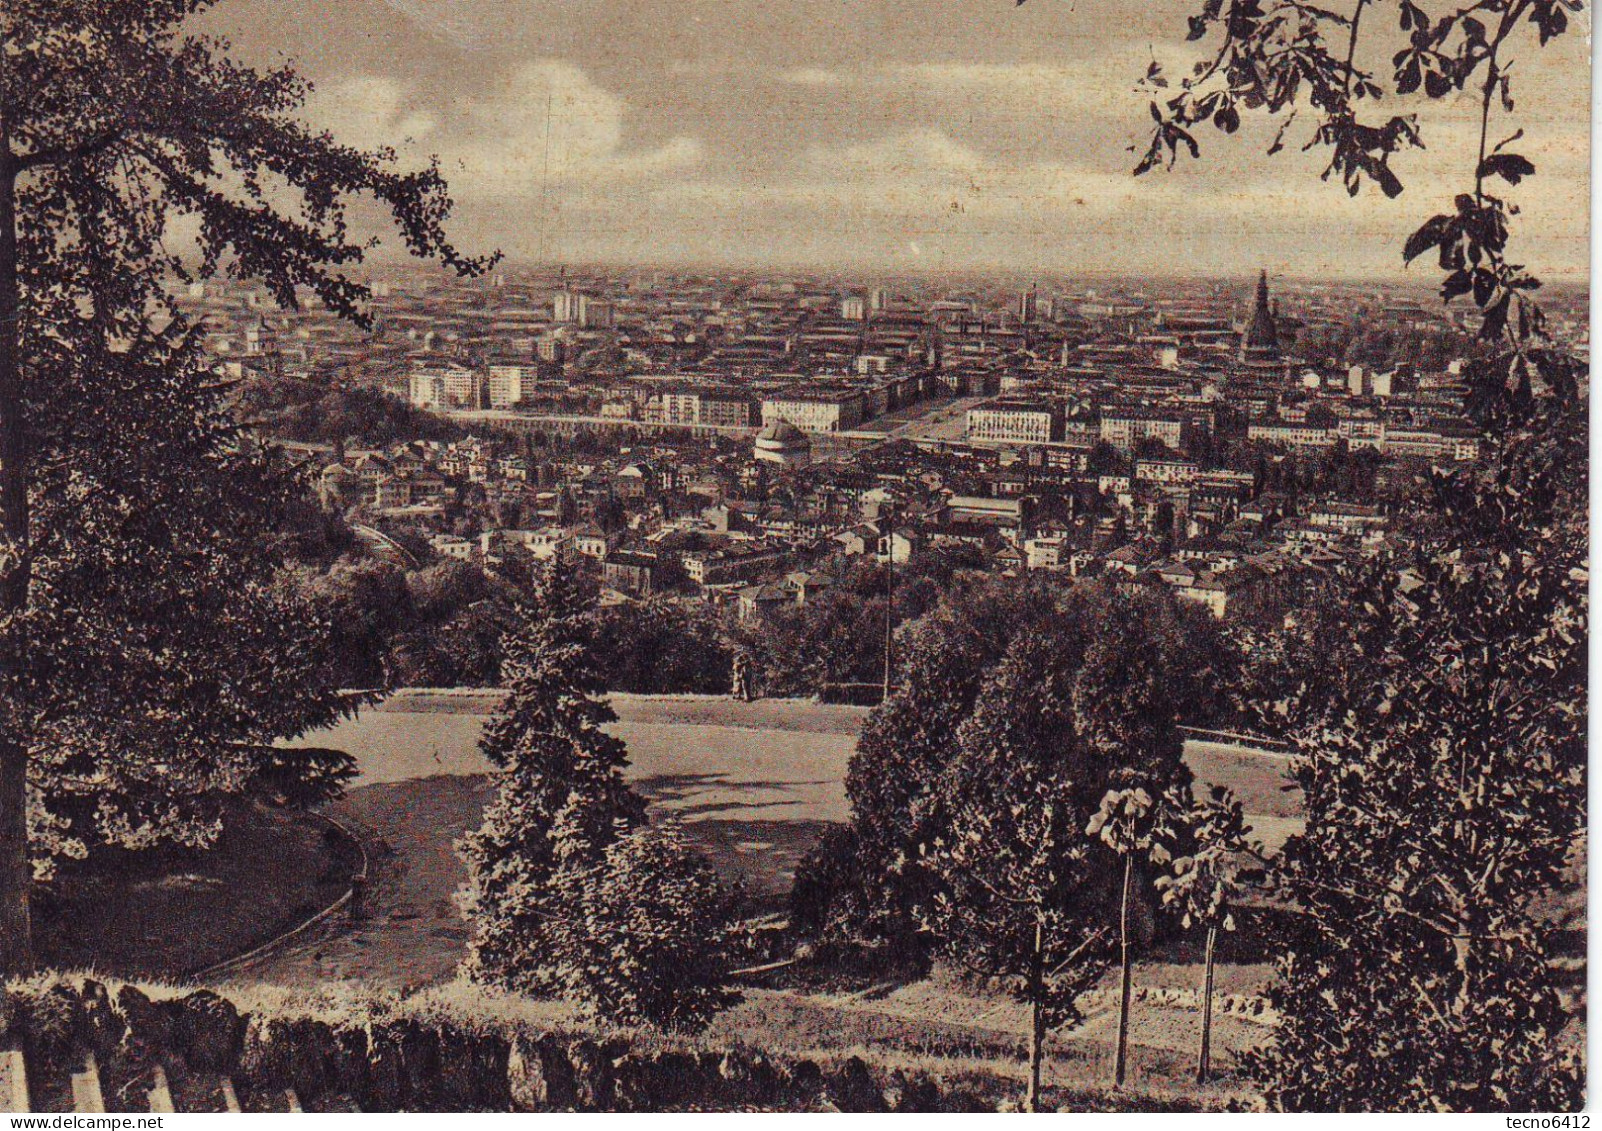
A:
(561, 800)
(652, 942)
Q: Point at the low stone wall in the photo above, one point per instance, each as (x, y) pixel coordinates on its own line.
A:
(208, 1047)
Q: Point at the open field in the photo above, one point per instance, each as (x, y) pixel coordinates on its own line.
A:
(754, 785)
(741, 776)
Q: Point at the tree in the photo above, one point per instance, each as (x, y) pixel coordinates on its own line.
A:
(1086, 688)
(561, 800)
(906, 742)
(1203, 882)
(1125, 683)
(167, 644)
(113, 125)
(661, 646)
(651, 941)
(1437, 711)
(1285, 58)
(1129, 821)
(1011, 903)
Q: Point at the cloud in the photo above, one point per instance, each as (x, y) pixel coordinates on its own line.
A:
(549, 124)
(546, 125)
(370, 111)
(1113, 72)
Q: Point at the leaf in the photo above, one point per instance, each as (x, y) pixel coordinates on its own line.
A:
(1457, 283)
(1495, 320)
(1484, 283)
(1511, 167)
(1388, 182)
(1433, 233)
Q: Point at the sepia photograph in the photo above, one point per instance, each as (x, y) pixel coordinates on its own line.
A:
(793, 556)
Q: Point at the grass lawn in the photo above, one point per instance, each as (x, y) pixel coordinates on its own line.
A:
(754, 785)
(172, 911)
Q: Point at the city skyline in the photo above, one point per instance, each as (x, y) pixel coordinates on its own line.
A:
(910, 138)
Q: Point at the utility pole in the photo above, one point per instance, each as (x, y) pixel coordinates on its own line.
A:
(890, 601)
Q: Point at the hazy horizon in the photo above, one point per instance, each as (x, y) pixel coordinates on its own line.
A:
(884, 135)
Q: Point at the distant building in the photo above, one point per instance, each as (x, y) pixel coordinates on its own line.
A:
(719, 567)
(815, 411)
(445, 386)
(426, 390)
(1124, 428)
(507, 383)
(630, 572)
(783, 443)
(1261, 340)
(565, 307)
(1013, 422)
(712, 408)
(1166, 470)
(596, 314)
(1011, 512)
(1291, 434)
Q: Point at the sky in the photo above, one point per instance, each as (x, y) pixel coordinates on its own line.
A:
(876, 135)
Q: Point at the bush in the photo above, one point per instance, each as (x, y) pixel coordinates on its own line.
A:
(653, 942)
(824, 880)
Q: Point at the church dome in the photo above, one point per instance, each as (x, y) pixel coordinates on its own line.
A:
(782, 432)
(782, 442)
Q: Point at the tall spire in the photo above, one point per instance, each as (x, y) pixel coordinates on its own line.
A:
(1262, 338)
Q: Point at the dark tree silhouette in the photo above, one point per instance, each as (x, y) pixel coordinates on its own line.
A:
(114, 124)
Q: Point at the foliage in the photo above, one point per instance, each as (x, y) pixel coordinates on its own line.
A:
(560, 801)
(136, 701)
(1011, 904)
(838, 635)
(652, 938)
(826, 878)
(1078, 684)
(1204, 882)
(312, 413)
(906, 742)
(1204, 877)
(367, 603)
(302, 777)
(166, 648)
(1010, 901)
(1438, 712)
(1283, 58)
(661, 646)
(1013, 882)
(1131, 821)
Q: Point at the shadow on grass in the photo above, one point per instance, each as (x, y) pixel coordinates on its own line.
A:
(760, 855)
(168, 911)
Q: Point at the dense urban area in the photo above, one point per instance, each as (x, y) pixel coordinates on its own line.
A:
(723, 452)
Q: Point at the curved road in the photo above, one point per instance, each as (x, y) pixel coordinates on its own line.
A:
(755, 785)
